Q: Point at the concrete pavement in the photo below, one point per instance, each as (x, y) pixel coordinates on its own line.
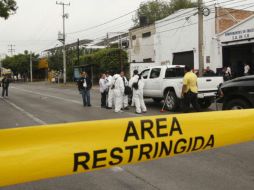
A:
(225, 168)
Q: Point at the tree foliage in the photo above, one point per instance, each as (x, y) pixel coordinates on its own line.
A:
(20, 64)
(181, 4)
(108, 59)
(155, 10)
(7, 7)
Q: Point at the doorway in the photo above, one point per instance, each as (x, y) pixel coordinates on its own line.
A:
(236, 56)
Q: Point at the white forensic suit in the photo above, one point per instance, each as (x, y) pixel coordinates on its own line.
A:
(138, 94)
(110, 98)
(118, 92)
(125, 97)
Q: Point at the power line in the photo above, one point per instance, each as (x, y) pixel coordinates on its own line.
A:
(183, 16)
(204, 20)
(102, 24)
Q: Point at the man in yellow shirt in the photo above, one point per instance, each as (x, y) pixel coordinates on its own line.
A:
(190, 90)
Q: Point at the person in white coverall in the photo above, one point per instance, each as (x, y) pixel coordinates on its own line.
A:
(110, 97)
(138, 93)
(118, 91)
(125, 97)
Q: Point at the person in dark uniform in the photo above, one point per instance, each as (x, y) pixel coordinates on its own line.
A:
(5, 86)
(84, 86)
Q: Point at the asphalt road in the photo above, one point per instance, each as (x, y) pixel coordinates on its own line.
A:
(226, 168)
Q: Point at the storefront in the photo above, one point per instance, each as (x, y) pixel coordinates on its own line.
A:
(176, 40)
(237, 44)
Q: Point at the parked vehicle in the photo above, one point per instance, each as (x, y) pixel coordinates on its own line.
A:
(237, 93)
(165, 80)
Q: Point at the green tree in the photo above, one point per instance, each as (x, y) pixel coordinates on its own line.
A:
(155, 10)
(20, 64)
(7, 7)
(108, 59)
(181, 4)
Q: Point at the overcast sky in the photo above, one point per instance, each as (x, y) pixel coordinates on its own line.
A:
(36, 24)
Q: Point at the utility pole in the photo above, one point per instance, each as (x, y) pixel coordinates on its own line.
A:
(11, 50)
(78, 52)
(107, 40)
(31, 67)
(120, 51)
(200, 37)
(64, 38)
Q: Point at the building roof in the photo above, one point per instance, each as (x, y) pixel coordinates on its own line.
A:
(176, 14)
(71, 45)
(113, 39)
(236, 25)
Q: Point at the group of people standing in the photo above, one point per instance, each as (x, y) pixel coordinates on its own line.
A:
(116, 90)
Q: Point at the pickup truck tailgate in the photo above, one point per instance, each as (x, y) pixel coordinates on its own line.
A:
(209, 84)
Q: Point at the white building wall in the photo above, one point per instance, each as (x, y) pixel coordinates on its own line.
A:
(175, 34)
(141, 48)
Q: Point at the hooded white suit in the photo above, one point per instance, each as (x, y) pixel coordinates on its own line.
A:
(125, 97)
(138, 94)
(118, 92)
(110, 92)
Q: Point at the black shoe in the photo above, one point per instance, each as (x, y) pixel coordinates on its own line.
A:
(109, 108)
(137, 113)
(126, 108)
(89, 105)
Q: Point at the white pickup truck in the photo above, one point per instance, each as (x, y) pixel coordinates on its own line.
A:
(161, 81)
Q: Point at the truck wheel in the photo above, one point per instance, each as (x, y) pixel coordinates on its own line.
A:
(171, 101)
(157, 100)
(236, 104)
(205, 103)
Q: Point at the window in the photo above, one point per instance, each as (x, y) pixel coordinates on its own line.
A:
(146, 35)
(174, 72)
(155, 73)
(145, 73)
(133, 37)
(148, 60)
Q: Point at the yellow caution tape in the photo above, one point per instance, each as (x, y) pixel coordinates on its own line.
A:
(33, 153)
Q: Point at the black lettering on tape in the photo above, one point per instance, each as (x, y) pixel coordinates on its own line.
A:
(182, 148)
(78, 162)
(145, 150)
(175, 127)
(197, 140)
(210, 142)
(165, 148)
(97, 159)
(146, 126)
(190, 144)
(131, 132)
(131, 148)
(156, 150)
(160, 127)
(116, 156)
